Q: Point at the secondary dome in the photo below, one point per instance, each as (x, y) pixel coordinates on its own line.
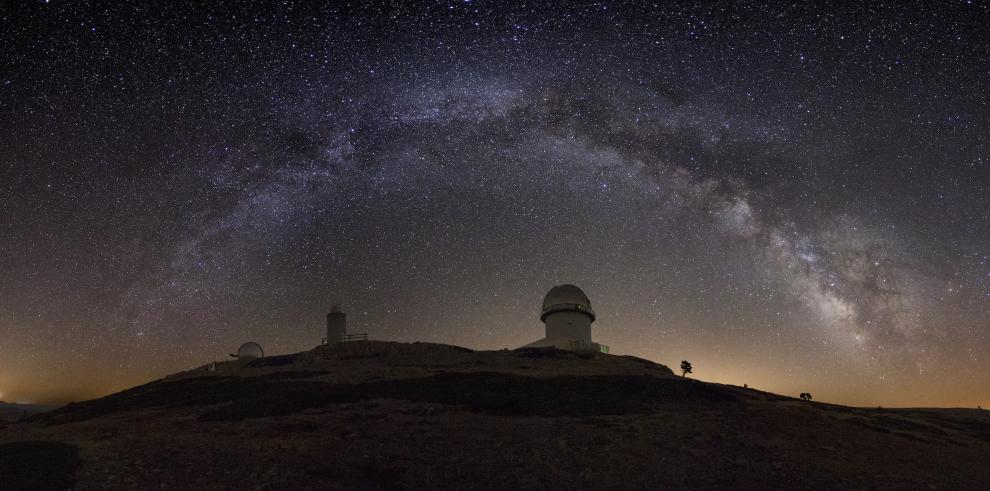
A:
(566, 298)
(250, 350)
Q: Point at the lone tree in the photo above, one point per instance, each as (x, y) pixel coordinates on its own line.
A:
(685, 368)
(806, 396)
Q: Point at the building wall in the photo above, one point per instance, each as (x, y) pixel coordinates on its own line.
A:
(336, 327)
(572, 326)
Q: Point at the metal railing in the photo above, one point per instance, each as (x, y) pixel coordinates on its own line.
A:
(358, 336)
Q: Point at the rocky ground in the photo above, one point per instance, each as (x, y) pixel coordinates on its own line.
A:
(376, 415)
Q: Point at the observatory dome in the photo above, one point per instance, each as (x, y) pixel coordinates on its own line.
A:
(562, 298)
(250, 350)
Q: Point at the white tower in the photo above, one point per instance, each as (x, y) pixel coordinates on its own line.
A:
(336, 326)
(567, 315)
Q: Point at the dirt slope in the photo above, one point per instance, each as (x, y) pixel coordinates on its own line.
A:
(374, 415)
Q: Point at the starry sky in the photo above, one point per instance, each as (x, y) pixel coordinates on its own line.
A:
(792, 196)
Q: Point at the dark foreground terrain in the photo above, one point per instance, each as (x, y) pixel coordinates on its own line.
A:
(374, 415)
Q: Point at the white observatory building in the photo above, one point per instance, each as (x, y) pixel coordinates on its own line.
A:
(336, 326)
(567, 315)
(249, 350)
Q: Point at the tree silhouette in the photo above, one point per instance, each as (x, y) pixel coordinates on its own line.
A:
(685, 368)
(805, 396)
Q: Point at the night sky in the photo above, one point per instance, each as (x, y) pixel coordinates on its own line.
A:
(795, 197)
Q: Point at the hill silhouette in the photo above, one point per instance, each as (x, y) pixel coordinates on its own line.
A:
(377, 415)
(13, 412)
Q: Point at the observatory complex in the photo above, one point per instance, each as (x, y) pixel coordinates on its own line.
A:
(567, 315)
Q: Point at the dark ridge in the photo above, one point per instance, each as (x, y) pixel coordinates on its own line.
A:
(444, 347)
(37, 465)
(280, 399)
(273, 361)
(283, 393)
(644, 362)
(552, 354)
(168, 394)
(293, 375)
(194, 391)
(179, 393)
(968, 426)
(486, 392)
(518, 395)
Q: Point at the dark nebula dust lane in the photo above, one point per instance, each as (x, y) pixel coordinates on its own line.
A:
(792, 197)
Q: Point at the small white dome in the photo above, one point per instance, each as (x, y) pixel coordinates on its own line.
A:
(250, 350)
(563, 298)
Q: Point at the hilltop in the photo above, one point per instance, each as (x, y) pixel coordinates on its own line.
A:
(378, 415)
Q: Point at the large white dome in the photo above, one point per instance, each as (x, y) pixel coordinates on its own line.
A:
(566, 298)
(250, 350)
